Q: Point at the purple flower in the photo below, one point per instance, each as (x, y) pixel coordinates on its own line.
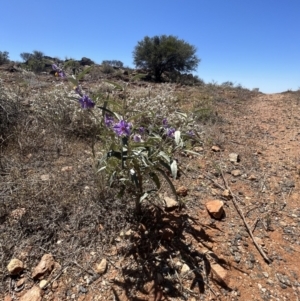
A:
(122, 128)
(137, 138)
(170, 132)
(108, 120)
(54, 67)
(190, 133)
(165, 123)
(59, 72)
(142, 130)
(86, 102)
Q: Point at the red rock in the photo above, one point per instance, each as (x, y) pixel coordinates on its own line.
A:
(34, 294)
(215, 149)
(215, 208)
(182, 191)
(46, 265)
(220, 273)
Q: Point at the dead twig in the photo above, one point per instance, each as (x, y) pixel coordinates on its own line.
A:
(240, 212)
(223, 188)
(254, 225)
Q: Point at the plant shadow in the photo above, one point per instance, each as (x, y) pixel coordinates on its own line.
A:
(166, 265)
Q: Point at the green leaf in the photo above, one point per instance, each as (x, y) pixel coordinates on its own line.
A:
(114, 84)
(177, 137)
(119, 117)
(83, 73)
(102, 168)
(155, 179)
(181, 114)
(174, 169)
(169, 182)
(165, 156)
(73, 81)
(112, 178)
(136, 116)
(114, 103)
(192, 152)
(106, 110)
(143, 196)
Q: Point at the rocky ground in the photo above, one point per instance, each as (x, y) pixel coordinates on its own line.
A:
(237, 237)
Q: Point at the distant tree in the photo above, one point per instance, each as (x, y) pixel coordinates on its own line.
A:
(37, 55)
(113, 63)
(86, 61)
(25, 56)
(4, 58)
(165, 53)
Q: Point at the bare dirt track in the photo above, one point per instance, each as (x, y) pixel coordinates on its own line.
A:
(52, 204)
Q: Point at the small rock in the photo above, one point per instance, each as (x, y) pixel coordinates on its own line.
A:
(215, 148)
(15, 266)
(46, 265)
(226, 194)
(43, 283)
(34, 294)
(234, 158)
(170, 203)
(54, 285)
(266, 275)
(67, 168)
(220, 273)
(182, 191)
(236, 173)
(178, 265)
(199, 149)
(17, 213)
(252, 177)
(128, 233)
(101, 267)
(20, 282)
(82, 289)
(237, 257)
(215, 208)
(184, 269)
(259, 241)
(45, 177)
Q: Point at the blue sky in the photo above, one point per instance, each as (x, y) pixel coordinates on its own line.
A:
(253, 43)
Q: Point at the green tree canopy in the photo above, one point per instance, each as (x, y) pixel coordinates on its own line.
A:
(4, 57)
(165, 53)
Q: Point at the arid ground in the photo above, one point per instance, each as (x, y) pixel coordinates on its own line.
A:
(74, 240)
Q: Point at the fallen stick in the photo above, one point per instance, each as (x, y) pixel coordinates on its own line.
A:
(240, 212)
(234, 197)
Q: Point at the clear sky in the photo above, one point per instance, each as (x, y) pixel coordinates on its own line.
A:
(255, 43)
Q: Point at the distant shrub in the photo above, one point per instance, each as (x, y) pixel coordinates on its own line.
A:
(113, 63)
(228, 84)
(71, 64)
(107, 69)
(35, 65)
(4, 57)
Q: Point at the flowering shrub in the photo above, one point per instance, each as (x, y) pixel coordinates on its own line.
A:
(141, 144)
